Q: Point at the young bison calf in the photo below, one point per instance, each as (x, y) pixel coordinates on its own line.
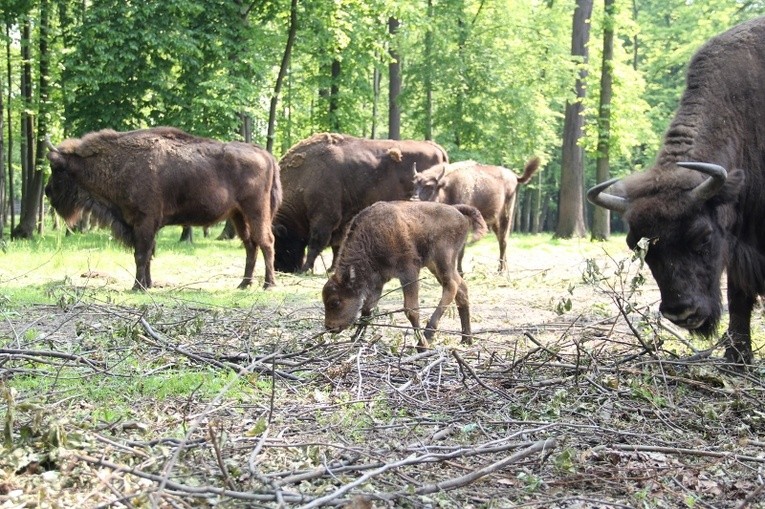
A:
(397, 239)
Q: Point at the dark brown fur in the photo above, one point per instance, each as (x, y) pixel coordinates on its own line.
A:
(328, 178)
(395, 240)
(720, 120)
(491, 189)
(139, 181)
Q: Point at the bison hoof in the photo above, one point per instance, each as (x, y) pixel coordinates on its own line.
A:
(467, 340)
(268, 284)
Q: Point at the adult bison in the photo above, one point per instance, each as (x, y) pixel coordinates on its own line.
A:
(328, 178)
(701, 206)
(139, 181)
(490, 189)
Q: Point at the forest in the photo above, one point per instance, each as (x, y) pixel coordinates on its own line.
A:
(581, 84)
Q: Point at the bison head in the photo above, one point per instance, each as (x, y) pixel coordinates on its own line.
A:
(342, 302)
(686, 226)
(66, 196)
(427, 183)
(289, 249)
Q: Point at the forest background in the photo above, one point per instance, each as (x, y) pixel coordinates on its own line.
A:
(588, 86)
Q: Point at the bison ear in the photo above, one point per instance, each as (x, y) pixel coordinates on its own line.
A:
(731, 190)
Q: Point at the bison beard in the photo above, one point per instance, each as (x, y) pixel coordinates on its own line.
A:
(395, 240)
(139, 181)
(703, 199)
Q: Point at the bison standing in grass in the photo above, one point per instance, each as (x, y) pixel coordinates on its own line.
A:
(491, 189)
(700, 208)
(329, 178)
(395, 240)
(139, 181)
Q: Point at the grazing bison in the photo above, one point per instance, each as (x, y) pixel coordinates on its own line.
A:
(491, 189)
(139, 181)
(329, 178)
(396, 239)
(701, 206)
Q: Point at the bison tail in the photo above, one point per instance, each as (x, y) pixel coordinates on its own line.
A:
(477, 224)
(529, 170)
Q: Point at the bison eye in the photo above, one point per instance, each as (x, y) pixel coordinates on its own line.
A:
(333, 304)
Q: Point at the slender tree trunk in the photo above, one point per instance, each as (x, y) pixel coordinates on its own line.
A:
(9, 67)
(601, 228)
(428, 78)
(334, 97)
(375, 100)
(283, 67)
(2, 162)
(537, 208)
(31, 185)
(571, 203)
(394, 71)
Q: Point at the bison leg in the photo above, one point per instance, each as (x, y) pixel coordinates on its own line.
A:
(411, 288)
(255, 232)
(320, 236)
(459, 261)
(501, 232)
(450, 286)
(463, 307)
(144, 249)
(738, 338)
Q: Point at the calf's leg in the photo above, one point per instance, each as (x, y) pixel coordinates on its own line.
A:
(411, 289)
(244, 231)
(463, 307)
(450, 286)
(144, 249)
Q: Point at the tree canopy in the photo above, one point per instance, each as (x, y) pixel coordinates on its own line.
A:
(487, 79)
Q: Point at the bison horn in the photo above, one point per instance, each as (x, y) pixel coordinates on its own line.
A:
(49, 144)
(605, 200)
(710, 186)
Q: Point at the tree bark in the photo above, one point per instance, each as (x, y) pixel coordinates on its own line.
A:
(601, 228)
(428, 78)
(571, 200)
(394, 72)
(334, 96)
(280, 77)
(9, 148)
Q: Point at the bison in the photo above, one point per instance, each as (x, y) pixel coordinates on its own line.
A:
(491, 189)
(139, 181)
(701, 206)
(328, 178)
(396, 239)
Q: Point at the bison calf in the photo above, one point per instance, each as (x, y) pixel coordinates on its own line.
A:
(139, 181)
(396, 239)
(490, 189)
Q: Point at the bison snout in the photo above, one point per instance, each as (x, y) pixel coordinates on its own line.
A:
(685, 315)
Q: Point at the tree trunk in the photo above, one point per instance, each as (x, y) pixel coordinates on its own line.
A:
(12, 205)
(428, 78)
(334, 97)
(601, 228)
(375, 100)
(2, 161)
(280, 77)
(31, 185)
(571, 204)
(536, 191)
(394, 72)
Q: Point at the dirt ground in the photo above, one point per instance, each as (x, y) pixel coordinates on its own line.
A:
(573, 395)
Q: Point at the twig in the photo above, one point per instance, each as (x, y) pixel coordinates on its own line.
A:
(467, 367)
(55, 355)
(219, 457)
(681, 451)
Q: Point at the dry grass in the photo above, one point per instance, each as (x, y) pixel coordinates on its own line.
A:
(560, 402)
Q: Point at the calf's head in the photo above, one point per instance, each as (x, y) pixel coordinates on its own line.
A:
(342, 302)
(684, 228)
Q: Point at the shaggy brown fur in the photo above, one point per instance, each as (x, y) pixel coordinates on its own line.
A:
(720, 120)
(329, 178)
(395, 240)
(491, 189)
(139, 181)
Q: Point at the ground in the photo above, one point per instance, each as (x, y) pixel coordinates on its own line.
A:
(573, 395)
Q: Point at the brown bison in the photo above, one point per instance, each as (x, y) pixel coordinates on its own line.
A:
(701, 206)
(491, 189)
(139, 181)
(329, 178)
(395, 240)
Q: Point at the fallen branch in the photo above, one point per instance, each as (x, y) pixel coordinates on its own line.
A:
(679, 451)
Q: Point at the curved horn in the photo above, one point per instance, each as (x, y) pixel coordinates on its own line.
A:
(49, 144)
(710, 186)
(605, 200)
